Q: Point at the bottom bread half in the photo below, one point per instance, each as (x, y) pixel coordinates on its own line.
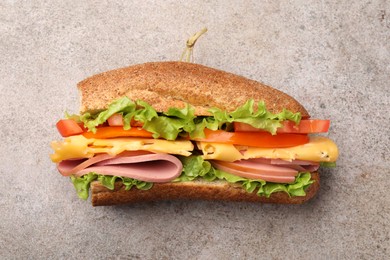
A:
(193, 190)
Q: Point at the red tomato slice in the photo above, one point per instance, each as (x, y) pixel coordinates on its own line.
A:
(117, 131)
(115, 120)
(257, 139)
(68, 127)
(306, 126)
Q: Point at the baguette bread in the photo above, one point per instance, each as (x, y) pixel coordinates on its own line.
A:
(172, 84)
(194, 190)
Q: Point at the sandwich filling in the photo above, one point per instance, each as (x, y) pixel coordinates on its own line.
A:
(133, 143)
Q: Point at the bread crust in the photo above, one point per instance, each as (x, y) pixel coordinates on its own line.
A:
(172, 84)
(194, 190)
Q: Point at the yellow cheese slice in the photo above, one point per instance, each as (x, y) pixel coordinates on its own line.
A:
(319, 149)
(80, 147)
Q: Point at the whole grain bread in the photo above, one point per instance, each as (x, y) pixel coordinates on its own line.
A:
(194, 190)
(172, 84)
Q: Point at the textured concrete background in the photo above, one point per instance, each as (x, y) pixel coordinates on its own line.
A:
(333, 56)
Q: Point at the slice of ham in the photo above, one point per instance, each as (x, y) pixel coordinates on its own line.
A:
(271, 170)
(299, 165)
(262, 171)
(139, 165)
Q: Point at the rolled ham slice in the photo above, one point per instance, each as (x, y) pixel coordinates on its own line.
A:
(139, 165)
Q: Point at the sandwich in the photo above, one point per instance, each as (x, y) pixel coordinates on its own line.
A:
(179, 130)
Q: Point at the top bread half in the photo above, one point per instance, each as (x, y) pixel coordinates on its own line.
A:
(173, 84)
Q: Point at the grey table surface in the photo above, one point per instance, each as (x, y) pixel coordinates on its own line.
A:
(332, 56)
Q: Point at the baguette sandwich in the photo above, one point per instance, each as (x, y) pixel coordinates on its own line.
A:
(178, 130)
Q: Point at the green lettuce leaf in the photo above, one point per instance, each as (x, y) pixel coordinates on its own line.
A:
(194, 167)
(166, 125)
(200, 124)
(169, 125)
(83, 183)
(123, 106)
(258, 117)
(328, 164)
